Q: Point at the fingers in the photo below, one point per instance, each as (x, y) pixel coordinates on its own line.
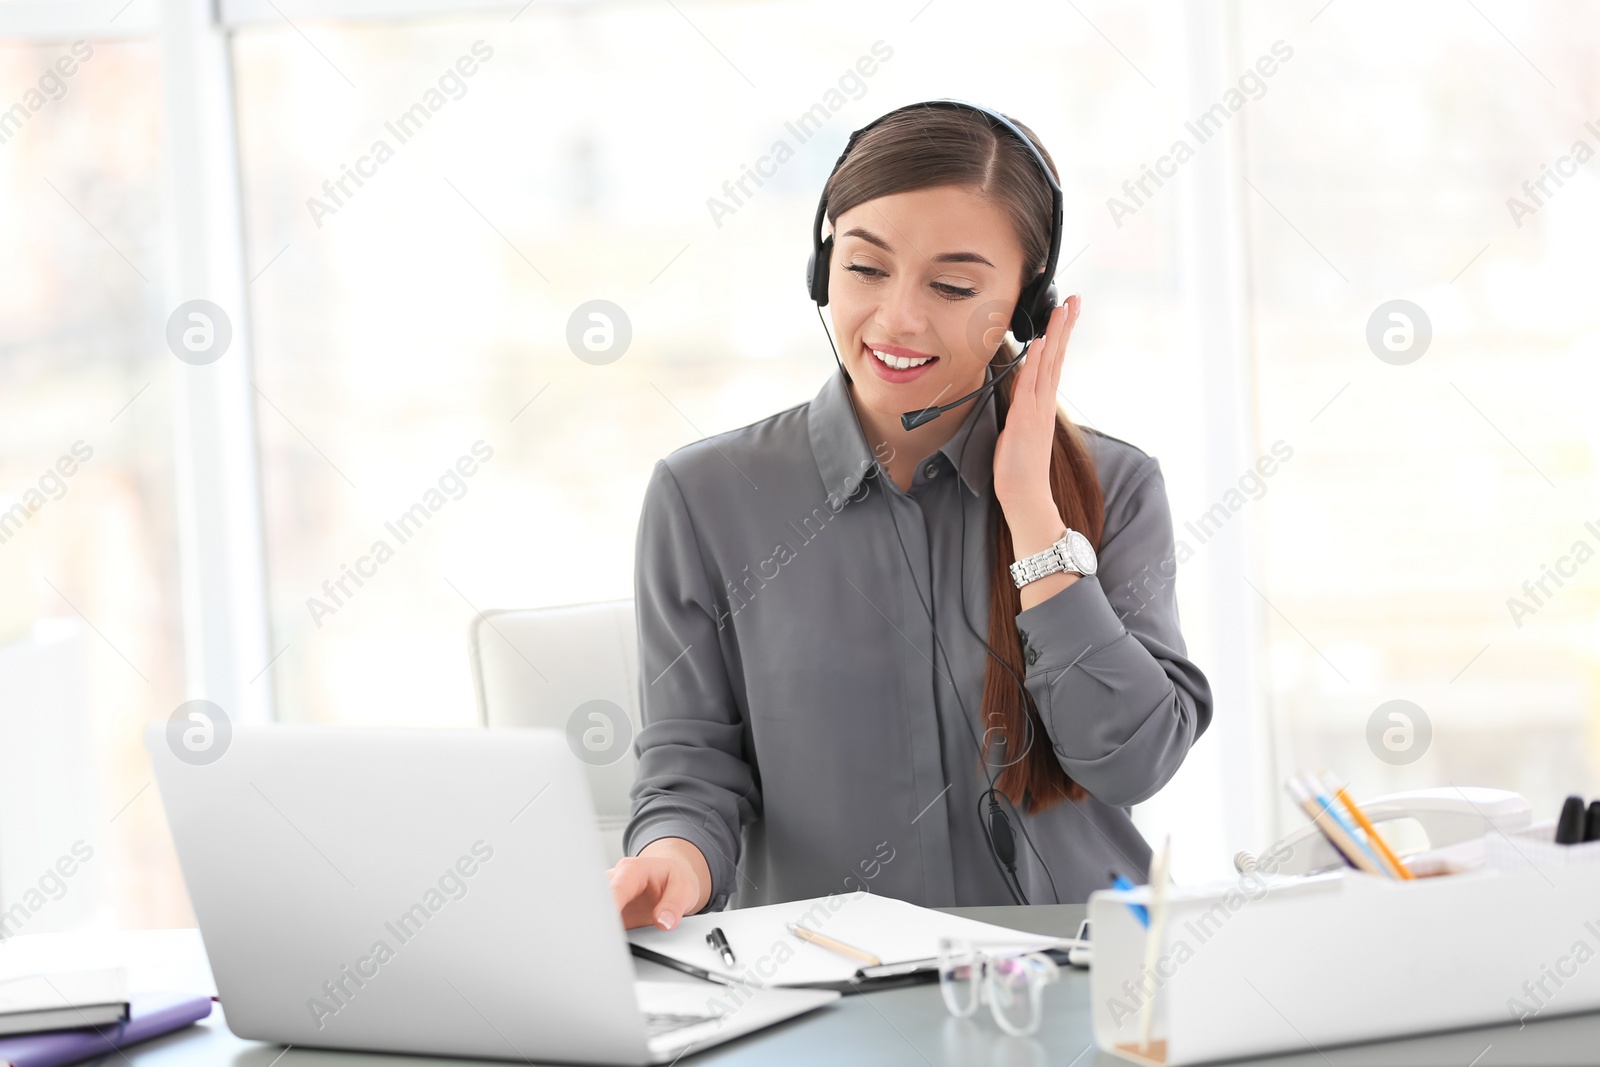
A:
(1022, 392)
(1058, 353)
(678, 895)
(1054, 343)
(635, 891)
(653, 890)
(628, 881)
(1036, 373)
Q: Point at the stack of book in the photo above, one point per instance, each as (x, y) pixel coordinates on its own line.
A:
(51, 1020)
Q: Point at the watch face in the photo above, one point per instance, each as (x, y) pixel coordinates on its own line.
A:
(1082, 551)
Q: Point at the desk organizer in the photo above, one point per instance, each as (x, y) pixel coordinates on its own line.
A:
(1257, 966)
(1536, 846)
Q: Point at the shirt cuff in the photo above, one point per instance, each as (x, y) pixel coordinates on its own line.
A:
(722, 872)
(1062, 629)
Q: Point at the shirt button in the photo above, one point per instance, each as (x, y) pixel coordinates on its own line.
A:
(932, 469)
(1033, 655)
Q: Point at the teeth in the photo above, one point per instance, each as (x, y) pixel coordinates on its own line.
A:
(900, 362)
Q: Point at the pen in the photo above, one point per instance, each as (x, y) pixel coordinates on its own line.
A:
(1385, 853)
(1140, 912)
(1342, 842)
(719, 941)
(640, 952)
(1325, 802)
(823, 941)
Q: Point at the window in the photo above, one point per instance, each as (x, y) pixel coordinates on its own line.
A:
(413, 312)
(1426, 490)
(88, 542)
(427, 198)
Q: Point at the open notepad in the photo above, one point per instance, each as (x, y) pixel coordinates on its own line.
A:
(904, 936)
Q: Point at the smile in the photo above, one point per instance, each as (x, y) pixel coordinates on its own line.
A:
(896, 364)
(900, 362)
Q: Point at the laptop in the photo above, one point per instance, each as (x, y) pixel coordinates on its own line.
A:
(424, 891)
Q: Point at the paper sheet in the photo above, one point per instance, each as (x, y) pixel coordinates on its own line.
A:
(766, 953)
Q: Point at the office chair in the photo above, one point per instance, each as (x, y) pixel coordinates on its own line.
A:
(536, 667)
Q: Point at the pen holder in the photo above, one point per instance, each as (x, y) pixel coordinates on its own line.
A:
(1536, 846)
(1251, 967)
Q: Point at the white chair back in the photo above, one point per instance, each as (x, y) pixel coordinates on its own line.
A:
(568, 669)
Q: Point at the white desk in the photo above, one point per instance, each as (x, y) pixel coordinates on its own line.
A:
(902, 1026)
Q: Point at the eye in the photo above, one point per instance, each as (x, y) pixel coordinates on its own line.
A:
(948, 292)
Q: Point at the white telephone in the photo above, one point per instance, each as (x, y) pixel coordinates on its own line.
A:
(1448, 816)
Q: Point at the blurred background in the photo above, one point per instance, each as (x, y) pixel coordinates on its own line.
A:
(1356, 238)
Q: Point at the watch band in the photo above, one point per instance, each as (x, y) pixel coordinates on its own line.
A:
(1055, 559)
(1058, 557)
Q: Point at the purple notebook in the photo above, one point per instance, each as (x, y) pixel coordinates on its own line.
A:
(149, 1015)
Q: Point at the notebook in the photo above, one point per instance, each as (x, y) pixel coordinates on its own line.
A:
(904, 936)
(63, 999)
(150, 1015)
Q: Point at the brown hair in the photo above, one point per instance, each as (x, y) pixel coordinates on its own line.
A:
(939, 146)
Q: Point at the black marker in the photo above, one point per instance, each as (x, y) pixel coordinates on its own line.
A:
(719, 941)
(1569, 828)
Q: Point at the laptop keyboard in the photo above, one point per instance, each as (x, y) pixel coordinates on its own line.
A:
(658, 1023)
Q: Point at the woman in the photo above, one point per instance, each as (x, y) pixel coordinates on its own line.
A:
(827, 704)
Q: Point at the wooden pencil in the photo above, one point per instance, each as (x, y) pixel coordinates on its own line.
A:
(824, 941)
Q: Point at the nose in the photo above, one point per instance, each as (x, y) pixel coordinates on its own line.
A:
(901, 312)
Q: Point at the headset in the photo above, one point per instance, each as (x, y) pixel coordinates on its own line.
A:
(1034, 305)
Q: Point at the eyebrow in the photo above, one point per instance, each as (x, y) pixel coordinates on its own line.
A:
(943, 257)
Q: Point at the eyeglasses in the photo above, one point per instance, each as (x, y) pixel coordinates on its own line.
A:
(1012, 983)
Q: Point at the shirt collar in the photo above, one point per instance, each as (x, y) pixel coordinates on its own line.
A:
(844, 459)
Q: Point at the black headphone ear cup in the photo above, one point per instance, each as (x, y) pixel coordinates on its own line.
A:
(1022, 318)
(817, 272)
(1025, 318)
(1047, 304)
(1033, 311)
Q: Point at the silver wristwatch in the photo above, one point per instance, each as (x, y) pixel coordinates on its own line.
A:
(1072, 553)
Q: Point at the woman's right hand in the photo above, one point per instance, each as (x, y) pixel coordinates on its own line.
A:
(667, 880)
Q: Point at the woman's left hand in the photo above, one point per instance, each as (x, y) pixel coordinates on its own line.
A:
(1022, 451)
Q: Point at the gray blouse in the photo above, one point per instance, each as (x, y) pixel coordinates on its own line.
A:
(801, 725)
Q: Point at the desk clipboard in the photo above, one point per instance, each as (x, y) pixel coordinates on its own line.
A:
(906, 937)
(867, 979)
